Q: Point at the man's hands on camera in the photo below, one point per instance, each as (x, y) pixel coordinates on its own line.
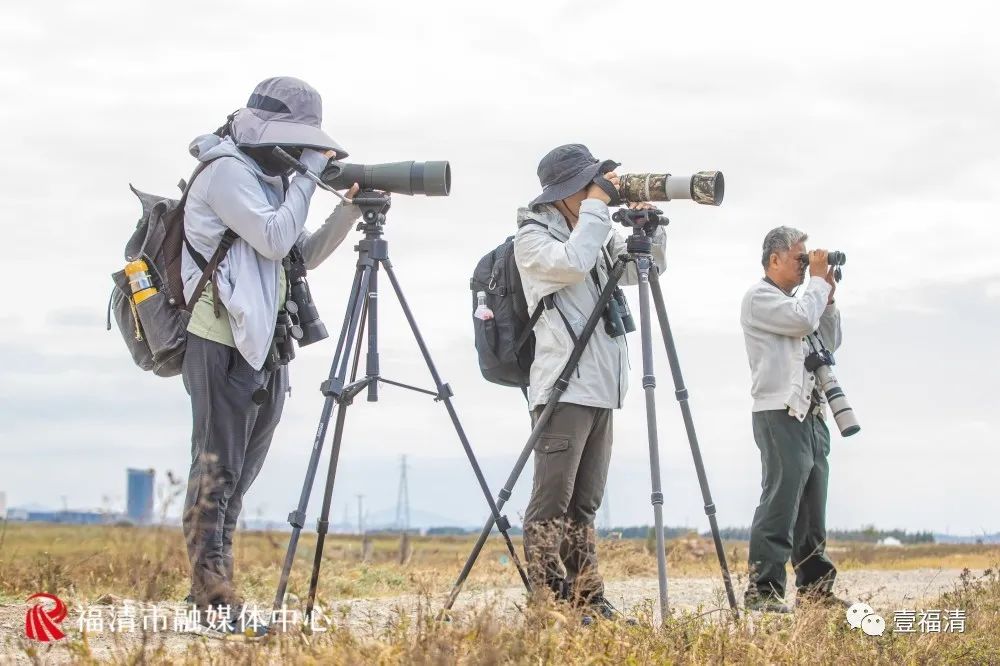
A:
(595, 191)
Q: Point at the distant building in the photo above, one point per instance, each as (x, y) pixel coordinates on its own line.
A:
(3, 505)
(139, 504)
(68, 517)
(890, 541)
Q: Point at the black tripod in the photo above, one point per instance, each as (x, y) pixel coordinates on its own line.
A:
(639, 246)
(362, 311)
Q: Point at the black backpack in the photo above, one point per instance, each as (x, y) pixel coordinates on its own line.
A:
(505, 343)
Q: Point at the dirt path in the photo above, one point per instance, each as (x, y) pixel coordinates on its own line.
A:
(885, 591)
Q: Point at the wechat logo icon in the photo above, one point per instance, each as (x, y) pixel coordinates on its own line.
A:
(862, 616)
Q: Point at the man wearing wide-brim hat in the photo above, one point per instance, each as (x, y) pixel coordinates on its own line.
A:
(236, 382)
(564, 248)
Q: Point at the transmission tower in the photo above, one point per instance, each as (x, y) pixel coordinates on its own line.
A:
(403, 499)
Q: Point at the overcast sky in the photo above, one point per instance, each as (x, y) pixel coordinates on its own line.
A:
(874, 130)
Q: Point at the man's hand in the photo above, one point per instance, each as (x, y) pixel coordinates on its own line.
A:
(818, 265)
(595, 191)
(832, 280)
(355, 188)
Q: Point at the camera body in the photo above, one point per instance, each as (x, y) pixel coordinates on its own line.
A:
(300, 305)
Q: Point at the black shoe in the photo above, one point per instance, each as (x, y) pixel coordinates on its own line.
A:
(599, 608)
(766, 603)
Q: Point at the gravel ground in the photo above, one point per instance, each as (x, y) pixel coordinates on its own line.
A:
(885, 591)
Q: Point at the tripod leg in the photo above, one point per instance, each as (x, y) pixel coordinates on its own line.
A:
(297, 518)
(502, 498)
(444, 395)
(557, 390)
(323, 524)
(649, 386)
(699, 466)
(372, 359)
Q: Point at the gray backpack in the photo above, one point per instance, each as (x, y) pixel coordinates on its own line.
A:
(155, 330)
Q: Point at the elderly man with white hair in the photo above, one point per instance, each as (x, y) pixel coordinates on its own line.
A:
(789, 421)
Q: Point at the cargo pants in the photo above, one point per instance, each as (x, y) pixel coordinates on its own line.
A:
(790, 521)
(571, 470)
(230, 438)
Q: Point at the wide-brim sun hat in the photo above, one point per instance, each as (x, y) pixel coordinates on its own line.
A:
(284, 111)
(566, 170)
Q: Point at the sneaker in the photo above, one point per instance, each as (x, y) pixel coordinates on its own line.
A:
(766, 603)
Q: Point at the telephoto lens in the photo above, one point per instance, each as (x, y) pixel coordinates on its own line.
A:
(843, 413)
(704, 187)
(819, 362)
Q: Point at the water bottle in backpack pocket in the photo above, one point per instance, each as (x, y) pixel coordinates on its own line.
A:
(504, 343)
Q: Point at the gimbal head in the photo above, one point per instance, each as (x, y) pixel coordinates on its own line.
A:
(644, 223)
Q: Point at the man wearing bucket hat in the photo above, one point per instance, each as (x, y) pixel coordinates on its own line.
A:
(564, 248)
(236, 398)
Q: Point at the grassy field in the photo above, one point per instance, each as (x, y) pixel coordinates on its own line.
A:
(82, 564)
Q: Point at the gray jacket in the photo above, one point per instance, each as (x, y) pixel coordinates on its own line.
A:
(236, 194)
(553, 260)
(775, 326)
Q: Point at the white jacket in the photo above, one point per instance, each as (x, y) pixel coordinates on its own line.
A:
(553, 260)
(236, 194)
(775, 326)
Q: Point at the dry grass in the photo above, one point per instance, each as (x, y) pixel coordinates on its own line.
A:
(151, 563)
(82, 563)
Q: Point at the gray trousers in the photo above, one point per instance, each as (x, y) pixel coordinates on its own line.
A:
(229, 441)
(791, 518)
(571, 470)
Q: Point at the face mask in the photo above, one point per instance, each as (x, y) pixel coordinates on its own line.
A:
(268, 163)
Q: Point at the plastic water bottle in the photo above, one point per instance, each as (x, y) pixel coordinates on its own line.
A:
(139, 280)
(482, 310)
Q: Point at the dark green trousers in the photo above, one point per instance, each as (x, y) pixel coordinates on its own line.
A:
(790, 521)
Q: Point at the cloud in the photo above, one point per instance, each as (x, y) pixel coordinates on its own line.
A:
(872, 130)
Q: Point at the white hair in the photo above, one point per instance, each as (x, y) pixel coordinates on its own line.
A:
(780, 239)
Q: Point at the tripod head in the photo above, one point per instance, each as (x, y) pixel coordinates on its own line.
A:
(643, 223)
(374, 205)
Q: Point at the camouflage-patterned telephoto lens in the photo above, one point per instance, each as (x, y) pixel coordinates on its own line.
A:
(704, 187)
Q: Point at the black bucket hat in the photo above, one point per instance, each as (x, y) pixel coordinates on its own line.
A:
(566, 170)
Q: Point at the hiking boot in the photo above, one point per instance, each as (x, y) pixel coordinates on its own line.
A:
(766, 603)
(599, 608)
(821, 599)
